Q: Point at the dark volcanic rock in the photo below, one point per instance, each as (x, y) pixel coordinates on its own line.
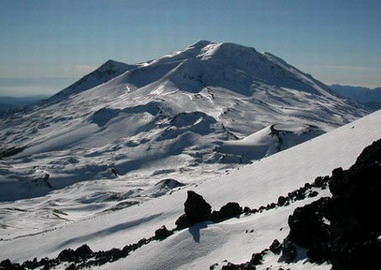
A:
(70, 255)
(288, 251)
(196, 210)
(276, 246)
(256, 258)
(281, 200)
(230, 210)
(307, 226)
(356, 199)
(182, 222)
(67, 255)
(344, 229)
(162, 233)
(8, 265)
(83, 252)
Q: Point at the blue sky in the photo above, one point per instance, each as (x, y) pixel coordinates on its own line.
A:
(47, 44)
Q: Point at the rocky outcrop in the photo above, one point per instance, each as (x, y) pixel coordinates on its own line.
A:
(196, 210)
(70, 255)
(81, 258)
(162, 233)
(344, 229)
(230, 210)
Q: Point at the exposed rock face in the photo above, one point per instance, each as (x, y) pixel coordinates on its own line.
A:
(70, 255)
(308, 219)
(162, 233)
(196, 210)
(230, 210)
(355, 202)
(275, 246)
(344, 229)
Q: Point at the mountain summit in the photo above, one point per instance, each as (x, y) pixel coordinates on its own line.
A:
(207, 63)
(237, 67)
(206, 108)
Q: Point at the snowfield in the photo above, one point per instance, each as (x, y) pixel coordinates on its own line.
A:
(109, 160)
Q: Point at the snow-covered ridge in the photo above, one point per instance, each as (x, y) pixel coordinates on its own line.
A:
(110, 69)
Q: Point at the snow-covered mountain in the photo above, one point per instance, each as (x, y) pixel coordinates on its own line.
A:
(110, 159)
(205, 108)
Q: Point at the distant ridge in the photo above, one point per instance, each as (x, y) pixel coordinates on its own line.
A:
(367, 96)
(104, 73)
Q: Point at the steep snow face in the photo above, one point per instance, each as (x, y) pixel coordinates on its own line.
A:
(186, 113)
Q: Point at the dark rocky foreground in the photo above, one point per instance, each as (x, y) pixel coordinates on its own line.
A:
(344, 229)
(82, 257)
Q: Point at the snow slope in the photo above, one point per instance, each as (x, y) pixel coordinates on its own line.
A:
(202, 245)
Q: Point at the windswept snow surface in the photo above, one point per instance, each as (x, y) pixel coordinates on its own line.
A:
(199, 247)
